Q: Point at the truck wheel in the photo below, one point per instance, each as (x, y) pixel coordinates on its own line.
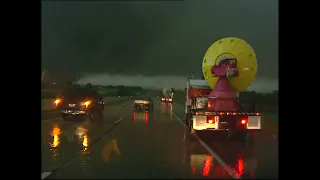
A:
(191, 130)
(190, 133)
(186, 121)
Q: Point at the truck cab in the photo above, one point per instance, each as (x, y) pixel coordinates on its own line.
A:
(196, 94)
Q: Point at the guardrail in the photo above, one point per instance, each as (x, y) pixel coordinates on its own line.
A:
(48, 104)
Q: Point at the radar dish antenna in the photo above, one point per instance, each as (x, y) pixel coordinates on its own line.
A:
(231, 48)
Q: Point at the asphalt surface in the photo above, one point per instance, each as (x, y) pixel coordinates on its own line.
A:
(149, 145)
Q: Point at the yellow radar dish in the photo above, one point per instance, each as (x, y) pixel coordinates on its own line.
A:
(231, 47)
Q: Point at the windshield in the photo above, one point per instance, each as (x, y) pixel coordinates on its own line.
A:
(199, 103)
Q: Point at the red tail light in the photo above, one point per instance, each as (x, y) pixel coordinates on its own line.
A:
(210, 120)
(147, 102)
(243, 121)
(134, 101)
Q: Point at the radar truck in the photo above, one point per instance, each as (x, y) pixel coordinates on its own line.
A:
(229, 67)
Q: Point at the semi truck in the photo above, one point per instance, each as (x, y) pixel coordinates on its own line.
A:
(213, 104)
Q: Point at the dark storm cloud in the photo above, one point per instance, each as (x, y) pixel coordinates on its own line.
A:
(154, 37)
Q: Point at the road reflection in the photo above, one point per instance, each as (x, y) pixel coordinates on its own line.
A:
(203, 164)
(170, 110)
(163, 108)
(85, 151)
(140, 117)
(109, 150)
(54, 145)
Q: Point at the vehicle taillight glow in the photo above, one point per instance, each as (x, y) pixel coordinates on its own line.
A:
(147, 102)
(243, 121)
(86, 103)
(210, 120)
(134, 101)
(57, 101)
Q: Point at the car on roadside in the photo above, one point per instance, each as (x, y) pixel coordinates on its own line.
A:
(81, 102)
(143, 104)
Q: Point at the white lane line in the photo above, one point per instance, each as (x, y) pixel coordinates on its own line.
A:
(45, 175)
(117, 121)
(214, 154)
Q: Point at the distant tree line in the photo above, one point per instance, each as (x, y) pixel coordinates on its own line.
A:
(270, 99)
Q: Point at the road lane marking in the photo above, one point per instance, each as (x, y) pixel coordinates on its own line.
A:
(214, 154)
(44, 175)
(66, 163)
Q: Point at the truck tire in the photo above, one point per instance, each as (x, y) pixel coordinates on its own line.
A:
(186, 120)
(191, 130)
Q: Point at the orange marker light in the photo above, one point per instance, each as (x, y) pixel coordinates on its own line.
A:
(87, 103)
(57, 101)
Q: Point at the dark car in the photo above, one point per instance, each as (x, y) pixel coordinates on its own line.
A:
(143, 104)
(80, 102)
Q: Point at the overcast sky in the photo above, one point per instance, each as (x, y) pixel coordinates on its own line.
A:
(153, 38)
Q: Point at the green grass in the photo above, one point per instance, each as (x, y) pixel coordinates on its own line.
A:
(269, 114)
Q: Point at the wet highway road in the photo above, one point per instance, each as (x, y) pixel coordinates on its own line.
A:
(148, 145)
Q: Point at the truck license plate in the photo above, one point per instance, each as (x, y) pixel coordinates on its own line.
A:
(72, 105)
